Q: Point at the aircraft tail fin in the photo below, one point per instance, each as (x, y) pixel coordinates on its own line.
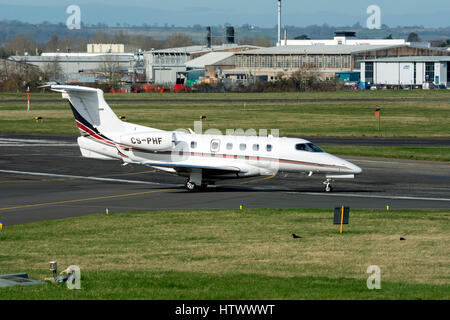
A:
(92, 113)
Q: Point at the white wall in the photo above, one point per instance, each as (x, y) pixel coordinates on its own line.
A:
(386, 73)
(363, 72)
(406, 73)
(440, 69)
(420, 73)
(344, 41)
(443, 69)
(395, 73)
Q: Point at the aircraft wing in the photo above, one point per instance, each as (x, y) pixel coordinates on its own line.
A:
(189, 167)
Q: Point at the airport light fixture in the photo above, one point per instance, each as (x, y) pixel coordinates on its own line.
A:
(54, 268)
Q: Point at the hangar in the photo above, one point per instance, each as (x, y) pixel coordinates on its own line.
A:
(327, 58)
(162, 66)
(415, 70)
(79, 67)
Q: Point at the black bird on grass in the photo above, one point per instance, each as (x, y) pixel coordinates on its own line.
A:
(295, 236)
(401, 238)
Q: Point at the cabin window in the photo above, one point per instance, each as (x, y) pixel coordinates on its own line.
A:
(256, 147)
(229, 146)
(193, 144)
(242, 146)
(269, 147)
(215, 145)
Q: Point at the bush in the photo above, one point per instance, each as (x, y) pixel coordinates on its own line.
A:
(300, 81)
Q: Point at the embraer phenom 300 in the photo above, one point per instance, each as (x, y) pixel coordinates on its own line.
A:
(202, 158)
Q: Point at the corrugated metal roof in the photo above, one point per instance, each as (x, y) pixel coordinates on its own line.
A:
(320, 49)
(211, 58)
(194, 49)
(75, 58)
(412, 59)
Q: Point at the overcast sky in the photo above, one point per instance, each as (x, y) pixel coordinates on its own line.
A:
(433, 13)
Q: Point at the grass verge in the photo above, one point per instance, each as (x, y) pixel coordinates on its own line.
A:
(233, 254)
(398, 152)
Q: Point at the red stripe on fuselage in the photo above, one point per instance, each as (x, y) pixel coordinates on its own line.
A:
(198, 154)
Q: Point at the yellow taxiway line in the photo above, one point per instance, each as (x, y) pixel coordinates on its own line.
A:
(82, 200)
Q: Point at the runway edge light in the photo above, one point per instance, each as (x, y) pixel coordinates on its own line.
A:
(107, 211)
(241, 207)
(387, 208)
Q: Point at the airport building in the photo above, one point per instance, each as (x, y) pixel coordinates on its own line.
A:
(81, 67)
(164, 66)
(105, 48)
(340, 57)
(403, 71)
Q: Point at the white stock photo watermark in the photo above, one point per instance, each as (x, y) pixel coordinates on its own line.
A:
(374, 20)
(374, 280)
(73, 22)
(74, 280)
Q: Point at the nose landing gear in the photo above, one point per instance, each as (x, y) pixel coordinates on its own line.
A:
(328, 186)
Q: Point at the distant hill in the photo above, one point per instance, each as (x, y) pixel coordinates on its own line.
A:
(41, 33)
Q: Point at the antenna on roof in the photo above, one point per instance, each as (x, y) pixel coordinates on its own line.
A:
(279, 23)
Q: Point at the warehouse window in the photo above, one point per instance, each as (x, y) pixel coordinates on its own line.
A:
(448, 72)
(415, 72)
(345, 61)
(369, 72)
(429, 72)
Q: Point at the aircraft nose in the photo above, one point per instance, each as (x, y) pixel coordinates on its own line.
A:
(356, 169)
(352, 168)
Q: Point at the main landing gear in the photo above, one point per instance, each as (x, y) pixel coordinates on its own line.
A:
(195, 181)
(191, 186)
(328, 186)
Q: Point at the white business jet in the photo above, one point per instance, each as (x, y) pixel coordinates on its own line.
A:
(202, 158)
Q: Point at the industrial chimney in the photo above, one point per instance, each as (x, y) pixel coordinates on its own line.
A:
(208, 37)
(279, 23)
(230, 35)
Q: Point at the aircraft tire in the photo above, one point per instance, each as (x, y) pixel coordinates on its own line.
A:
(191, 186)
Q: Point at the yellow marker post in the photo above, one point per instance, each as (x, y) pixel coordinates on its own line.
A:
(1, 225)
(342, 218)
(107, 211)
(387, 208)
(241, 207)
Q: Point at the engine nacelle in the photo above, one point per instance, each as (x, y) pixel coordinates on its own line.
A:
(149, 140)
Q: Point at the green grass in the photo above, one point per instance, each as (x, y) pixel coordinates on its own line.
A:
(233, 254)
(383, 94)
(399, 152)
(399, 119)
(416, 119)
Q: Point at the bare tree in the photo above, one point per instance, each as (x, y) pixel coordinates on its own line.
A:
(111, 71)
(53, 70)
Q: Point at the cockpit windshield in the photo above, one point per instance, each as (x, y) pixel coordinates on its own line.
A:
(310, 147)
